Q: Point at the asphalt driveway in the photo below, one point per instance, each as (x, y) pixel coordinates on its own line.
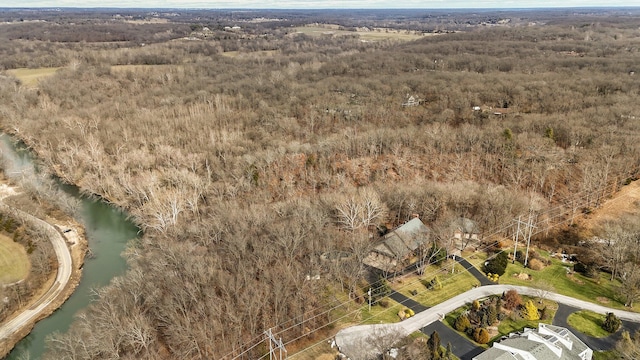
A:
(460, 345)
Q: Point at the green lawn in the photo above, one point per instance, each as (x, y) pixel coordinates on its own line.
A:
(606, 355)
(452, 284)
(555, 276)
(588, 323)
(380, 314)
(14, 262)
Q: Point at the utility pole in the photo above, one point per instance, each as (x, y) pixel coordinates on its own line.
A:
(515, 248)
(525, 230)
(530, 228)
(275, 344)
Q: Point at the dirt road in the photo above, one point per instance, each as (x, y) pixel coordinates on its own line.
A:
(65, 268)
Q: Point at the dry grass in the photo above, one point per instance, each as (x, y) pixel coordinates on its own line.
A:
(377, 34)
(253, 54)
(30, 77)
(14, 262)
(625, 202)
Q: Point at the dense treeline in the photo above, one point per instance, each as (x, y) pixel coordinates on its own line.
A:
(236, 168)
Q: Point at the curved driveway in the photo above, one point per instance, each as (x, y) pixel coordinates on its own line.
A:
(65, 267)
(359, 342)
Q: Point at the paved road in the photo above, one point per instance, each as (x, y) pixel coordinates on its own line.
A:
(62, 278)
(357, 341)
(596, 344)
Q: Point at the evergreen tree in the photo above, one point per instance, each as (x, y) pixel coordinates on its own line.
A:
(448, 352)
(612, 323)
(434, 345)
(498, 264)
(492, 315)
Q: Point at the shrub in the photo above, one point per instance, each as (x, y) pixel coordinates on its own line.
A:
(380, 289)
(530, 311)
(492, 315)
(611, 323)
(462, 323)
(475, 305)
(544, 313)
(481, 335)
(536, 264)
(512, 300)
(498, 264)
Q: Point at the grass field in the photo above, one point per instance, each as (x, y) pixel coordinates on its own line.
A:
(30, 77)
(14, 263)
(374, 35)
(588, 323)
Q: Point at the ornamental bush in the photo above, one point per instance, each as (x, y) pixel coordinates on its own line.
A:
(462, 323)
(530, 311)
(481, 335)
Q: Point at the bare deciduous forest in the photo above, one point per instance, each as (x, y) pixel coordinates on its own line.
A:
(241, 169)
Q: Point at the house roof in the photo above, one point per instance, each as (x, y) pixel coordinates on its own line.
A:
(498, 354)
(548, 342)
(467, 226)
(402, 241)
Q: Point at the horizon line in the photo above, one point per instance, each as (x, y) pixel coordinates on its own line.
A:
(323, 8)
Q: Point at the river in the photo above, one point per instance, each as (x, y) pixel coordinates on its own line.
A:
(108, 231)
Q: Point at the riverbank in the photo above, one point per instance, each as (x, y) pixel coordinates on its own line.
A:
(76, 243)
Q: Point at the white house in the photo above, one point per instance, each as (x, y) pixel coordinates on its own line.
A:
(547, 342)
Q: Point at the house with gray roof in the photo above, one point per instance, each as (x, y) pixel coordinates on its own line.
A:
(397, 246)
(547, 342)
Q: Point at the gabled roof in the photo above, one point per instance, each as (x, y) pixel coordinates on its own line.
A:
(466, 226)
(404, 239)
(548, 342)
(497, 354)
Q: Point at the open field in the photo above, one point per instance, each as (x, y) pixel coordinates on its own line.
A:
(376, 34)
(30, 77)
(252, 54)
(14, 263)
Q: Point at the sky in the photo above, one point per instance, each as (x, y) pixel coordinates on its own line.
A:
(318, 4)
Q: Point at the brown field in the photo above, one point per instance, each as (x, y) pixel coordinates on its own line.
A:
(30, 77)
(14, 263)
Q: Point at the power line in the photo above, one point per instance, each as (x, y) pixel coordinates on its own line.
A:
(549, 212)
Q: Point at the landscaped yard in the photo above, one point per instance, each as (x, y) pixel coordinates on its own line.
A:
(588, 323)
(559, 277)
(452, 284)
(510, 325)
(381, 314)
